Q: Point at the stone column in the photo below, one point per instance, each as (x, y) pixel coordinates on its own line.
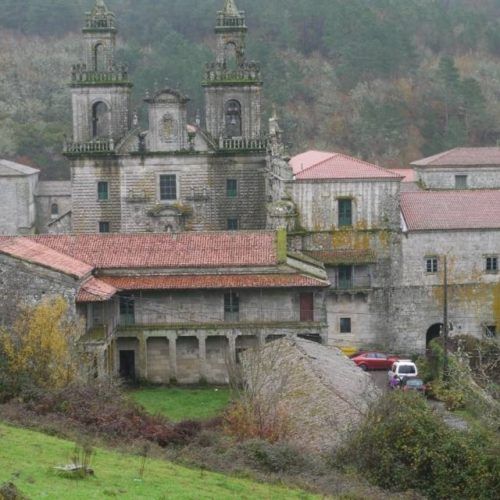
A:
(202, 356)
(143, 356)
(232, 348)
(172, 352)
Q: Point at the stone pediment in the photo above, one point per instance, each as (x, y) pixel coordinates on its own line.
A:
(167, 96)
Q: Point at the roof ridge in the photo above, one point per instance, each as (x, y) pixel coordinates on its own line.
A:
(332, 155)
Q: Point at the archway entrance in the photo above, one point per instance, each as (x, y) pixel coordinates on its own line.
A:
(433, 333)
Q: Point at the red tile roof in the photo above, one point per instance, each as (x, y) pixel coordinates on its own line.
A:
(31, 251)
(217, 249)
(212, 282)
(340, 166)
(462, 157)
(95, 290)
(408, 174)
(308, 159)
(441, 210)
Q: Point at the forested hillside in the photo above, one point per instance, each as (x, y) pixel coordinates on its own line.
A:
(389, 80)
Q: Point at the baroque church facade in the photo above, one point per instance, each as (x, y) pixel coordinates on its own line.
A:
(174, 176)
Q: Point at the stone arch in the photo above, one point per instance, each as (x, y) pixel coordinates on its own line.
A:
(231, 55)
(100, 120)
(99, 57)
(233, 118)
(433, 332)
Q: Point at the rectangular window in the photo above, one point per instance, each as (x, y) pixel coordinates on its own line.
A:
(345, 213)
(232, 188)
(490, 331)
(460, 182)
(168, 187)
(345, 277)
(431, 265)
(306, 307)
(492, 264)
(102, 191)
(104, 227)
(127, 310)
(345, 325)
(233, 224)
(231, 307)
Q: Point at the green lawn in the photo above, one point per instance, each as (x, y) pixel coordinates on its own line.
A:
(183, 403)
(27, 458)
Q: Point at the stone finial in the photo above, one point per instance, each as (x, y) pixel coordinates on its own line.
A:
(230, 8)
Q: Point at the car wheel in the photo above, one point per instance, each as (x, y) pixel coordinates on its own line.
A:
(364, 368)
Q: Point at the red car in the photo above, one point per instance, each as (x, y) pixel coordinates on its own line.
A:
(374, 360)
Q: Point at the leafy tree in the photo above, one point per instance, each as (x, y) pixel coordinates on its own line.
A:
(40, 348)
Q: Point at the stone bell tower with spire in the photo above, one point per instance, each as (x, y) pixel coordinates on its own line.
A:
(100, 88)
(232, 84)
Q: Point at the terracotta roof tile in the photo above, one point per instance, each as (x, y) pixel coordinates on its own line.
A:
(462, 157)
(31, 251)
(212, 282)
(95, 290)
(340, 166)
(308, 159)
(216, 249)
(441, 210)
(408, 174)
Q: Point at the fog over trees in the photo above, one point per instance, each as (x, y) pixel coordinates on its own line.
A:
(388, 80)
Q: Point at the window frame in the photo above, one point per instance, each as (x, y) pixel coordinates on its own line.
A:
(491, 264)
(345, 219)
(176, 183)
(232, 192)
(233, 219)
(343, 322)
(103, 224)
(433, 260)
(461, 181)
(231, 307)
(99, 191)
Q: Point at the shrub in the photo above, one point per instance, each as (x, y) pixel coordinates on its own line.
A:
(404, 445)
(280, 457)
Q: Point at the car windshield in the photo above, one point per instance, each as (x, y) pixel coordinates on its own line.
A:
(406, 369)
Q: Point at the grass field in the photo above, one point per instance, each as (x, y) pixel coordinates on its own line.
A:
(27, 458)
(183, 403)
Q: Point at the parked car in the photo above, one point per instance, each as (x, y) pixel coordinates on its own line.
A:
(374, 360)
(413, 384)
(403, 368)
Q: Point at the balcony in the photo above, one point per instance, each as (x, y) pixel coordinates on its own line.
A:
(100, 146)
(350, 278)
(218, 73)
(242, 144)
(117, 75)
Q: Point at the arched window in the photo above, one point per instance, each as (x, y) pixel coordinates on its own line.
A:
(99, 58)
(54, 209)
(230, 56)
(100, 120)
(233, 119)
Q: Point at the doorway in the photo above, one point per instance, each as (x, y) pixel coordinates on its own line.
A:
(127, 365)
(433, 332)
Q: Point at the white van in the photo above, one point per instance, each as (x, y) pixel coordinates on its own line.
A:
(403, 368)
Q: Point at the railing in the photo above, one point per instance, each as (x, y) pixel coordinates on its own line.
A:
(246, 72)
(102, 146)
(242, 144)
(353, 283)
(224, 21)
(116, 74)
(106, 20)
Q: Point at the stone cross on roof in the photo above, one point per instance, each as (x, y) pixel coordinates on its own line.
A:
(230, 8)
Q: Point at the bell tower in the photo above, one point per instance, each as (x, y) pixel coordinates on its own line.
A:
(100, 88)
(232, 84)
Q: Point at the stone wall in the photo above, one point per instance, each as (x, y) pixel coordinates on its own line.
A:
(202, 203)
(416, 298)
(18, 204)
(375, 203)
(25, 283)
(483, 177)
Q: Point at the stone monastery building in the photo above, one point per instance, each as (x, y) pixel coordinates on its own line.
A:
(184, 244)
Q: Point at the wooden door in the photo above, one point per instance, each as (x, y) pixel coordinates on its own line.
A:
(306, 307)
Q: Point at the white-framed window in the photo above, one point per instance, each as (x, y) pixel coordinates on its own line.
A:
(491, 264)
(431, 265)
(168, 188)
